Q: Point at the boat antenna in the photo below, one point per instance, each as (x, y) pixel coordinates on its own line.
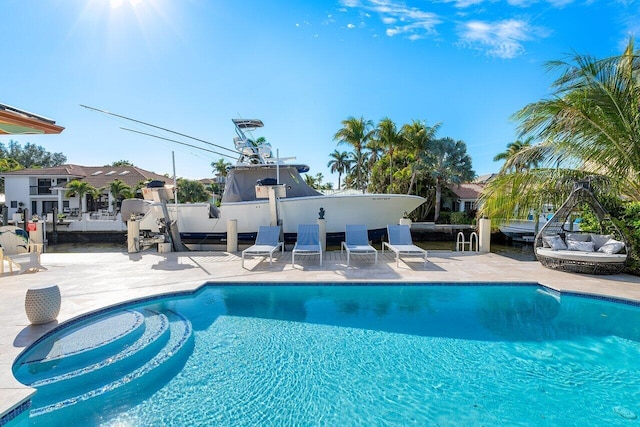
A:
(157, 127)
(177, 142)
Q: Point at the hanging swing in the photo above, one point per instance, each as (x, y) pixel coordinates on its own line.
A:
(558, 247)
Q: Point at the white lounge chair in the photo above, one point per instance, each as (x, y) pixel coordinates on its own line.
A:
(308, 242)
(19, 252)
(357, 241)
(401, 243)
(267, 242)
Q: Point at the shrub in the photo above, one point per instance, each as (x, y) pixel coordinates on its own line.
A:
(459, 218)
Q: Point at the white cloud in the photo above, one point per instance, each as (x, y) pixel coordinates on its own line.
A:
(502, 39)
(350, 26)
(414, 23)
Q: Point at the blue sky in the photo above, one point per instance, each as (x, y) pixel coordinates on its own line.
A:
(300, 66)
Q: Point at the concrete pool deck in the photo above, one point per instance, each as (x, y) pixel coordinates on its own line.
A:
(89, 281)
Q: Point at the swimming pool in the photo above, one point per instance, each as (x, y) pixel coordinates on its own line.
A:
(478, 354)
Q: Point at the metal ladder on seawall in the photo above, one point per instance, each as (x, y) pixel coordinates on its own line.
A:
(461, 242)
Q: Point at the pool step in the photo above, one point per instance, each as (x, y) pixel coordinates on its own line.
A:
(82, 344)
(166, 343)
(154, 338)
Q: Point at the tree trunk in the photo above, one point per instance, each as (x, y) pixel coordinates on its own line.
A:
(413, 179)
(438, 197)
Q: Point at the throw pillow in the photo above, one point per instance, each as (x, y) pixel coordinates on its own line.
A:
(612, 247)
(599, 240)
(578, 237)
(555, 242)
(573, 245)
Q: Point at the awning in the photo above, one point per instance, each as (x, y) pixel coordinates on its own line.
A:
(15, 121)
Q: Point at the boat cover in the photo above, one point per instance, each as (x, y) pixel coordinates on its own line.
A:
(241, 182)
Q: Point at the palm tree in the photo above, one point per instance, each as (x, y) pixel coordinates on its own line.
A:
(390, 138)
(356, 132)
(220, 167)
(416, 137)
(590, 126)
(448, 163)
(118, 190)
(191, 191)
(514, 156)
(80, 189)
(339, 163)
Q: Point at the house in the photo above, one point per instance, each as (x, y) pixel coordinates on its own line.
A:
(41, 190)
(464, 197)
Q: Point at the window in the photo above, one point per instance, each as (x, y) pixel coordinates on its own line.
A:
(44, 186)
(468, 206)
(96, 173)
(14, 204)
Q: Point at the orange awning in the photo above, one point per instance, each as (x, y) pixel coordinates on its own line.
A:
(15, 121)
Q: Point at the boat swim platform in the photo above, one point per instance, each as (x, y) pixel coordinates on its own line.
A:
(89, 281)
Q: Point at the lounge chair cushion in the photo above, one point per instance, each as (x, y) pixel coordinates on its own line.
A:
(555, 242)
(612, 247)
(575, 245)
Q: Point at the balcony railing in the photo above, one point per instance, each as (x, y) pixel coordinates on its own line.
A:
(36, 190)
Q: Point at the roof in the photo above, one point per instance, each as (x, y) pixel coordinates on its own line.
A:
(16, 121)
(97, 176)
(467, 191)
(483, 179)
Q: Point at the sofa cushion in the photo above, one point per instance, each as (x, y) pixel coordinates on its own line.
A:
(554, 242)
(599, 240)
(579, 237)
(574, 245)
(612, 247)
(593, 257)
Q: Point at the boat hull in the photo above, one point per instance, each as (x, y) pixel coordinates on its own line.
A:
(376, 211)
(525, 230)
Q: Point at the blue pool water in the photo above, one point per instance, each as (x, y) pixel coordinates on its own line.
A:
(343, 355)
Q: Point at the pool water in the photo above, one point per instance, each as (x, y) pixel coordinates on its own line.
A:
(345, 355)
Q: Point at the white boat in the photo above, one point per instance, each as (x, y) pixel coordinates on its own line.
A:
(525, 230)
(263, 190)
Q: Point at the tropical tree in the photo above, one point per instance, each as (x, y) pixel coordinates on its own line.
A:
(340, 163)
(589, 126)
(220, 167)
(416, 137)
(376, 151)
(448, 163)
(390, 138)
(81, 189)
(118, 191)
(515, 160)
(191, 191)
(120, 163)
(356, 132)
